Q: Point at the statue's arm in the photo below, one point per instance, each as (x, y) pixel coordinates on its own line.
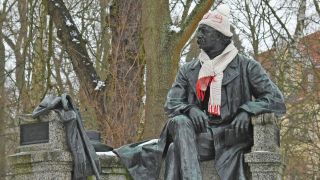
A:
(267, 96)
(177, 98)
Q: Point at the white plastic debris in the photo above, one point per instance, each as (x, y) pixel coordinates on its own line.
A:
(149, 142)
(174, 28)
(108, 153)
(73, 33)
(68, 23)
(100, 84)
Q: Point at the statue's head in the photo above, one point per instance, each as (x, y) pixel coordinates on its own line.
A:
(209, 39)
(213, 33)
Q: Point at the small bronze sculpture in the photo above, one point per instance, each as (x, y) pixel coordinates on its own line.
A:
(209, 106)
(85, 159)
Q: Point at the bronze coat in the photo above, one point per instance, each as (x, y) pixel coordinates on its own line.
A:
(242, 79)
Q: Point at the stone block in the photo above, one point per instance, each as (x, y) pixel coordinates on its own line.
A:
(113, 169)
(40, 165)
(43, 161)
(57, 136)
(207, 169)
(266, 133)
(265, 165)
(265, 160)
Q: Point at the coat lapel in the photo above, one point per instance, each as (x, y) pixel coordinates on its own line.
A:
(231, 72)
(193, 74)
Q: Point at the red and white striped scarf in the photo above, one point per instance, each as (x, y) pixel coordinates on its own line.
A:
(211, 72)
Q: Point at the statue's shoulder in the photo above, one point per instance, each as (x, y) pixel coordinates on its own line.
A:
(245, 59)
(190, 65)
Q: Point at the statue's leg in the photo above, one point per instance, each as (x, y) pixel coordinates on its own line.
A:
(183, 156)
(229, 152)
(205, 144)
(172, 169)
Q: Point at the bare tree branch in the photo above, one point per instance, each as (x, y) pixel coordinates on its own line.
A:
(186, 9)
(75, 47)
(278, 19)
(317, 6)
(190, 25)
(301, 16)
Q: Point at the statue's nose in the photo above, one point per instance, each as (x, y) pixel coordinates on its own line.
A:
(199, 35)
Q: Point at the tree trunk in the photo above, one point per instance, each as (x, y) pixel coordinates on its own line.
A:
(3, 164)
(317, 6)
(158, 52)
(39, 69)
(103, 50)
(126, 68)
(21, 44)
(194, 50)
(162, 53)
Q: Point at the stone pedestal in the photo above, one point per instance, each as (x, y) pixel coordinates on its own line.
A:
(112, 168)
(42, 161)
(9, 142)
(207, 169)
(265, 160)
(48, 157)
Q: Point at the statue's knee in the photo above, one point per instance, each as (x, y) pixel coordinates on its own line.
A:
(181, 127)
(181, 121)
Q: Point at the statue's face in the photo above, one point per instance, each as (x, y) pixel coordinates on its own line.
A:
(209, 39)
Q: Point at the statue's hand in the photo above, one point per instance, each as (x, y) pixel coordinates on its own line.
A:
(199, 119)
(241, 122)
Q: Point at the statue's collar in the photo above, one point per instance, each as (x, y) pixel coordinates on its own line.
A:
(197, 64)
(229, 74)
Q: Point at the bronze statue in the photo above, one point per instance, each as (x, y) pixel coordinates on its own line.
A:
(209, 108)
(85, 160)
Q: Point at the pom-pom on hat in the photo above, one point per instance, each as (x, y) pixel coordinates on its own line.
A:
(218, 19)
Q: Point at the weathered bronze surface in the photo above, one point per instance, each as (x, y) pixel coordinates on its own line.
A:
(94, 135)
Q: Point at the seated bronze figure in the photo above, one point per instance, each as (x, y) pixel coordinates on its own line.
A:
(209, 108)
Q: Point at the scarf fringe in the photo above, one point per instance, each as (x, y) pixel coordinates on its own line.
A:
(214, 109)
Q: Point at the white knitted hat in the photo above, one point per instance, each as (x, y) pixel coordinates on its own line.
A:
(218, 19)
